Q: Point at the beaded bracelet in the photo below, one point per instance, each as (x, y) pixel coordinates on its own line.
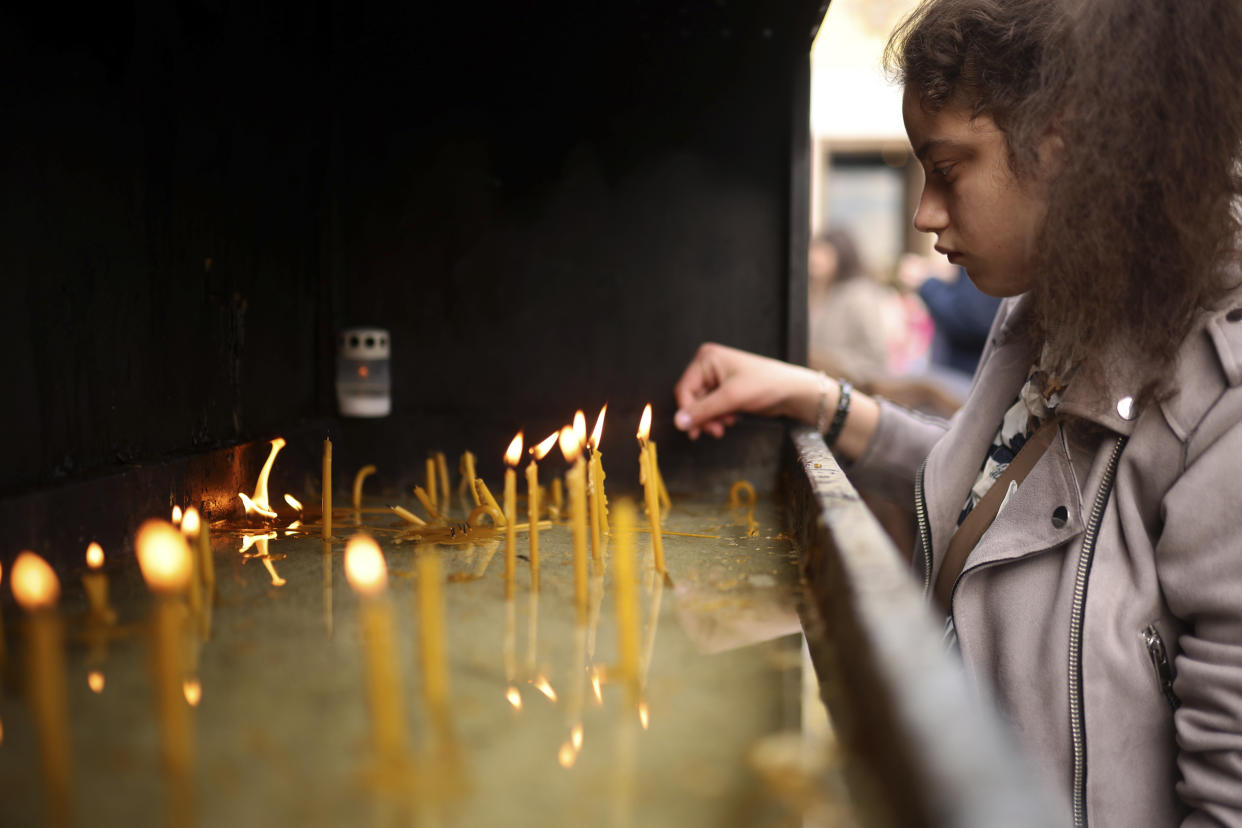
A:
(843, 411)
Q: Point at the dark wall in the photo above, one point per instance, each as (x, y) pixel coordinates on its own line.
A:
(550, 208)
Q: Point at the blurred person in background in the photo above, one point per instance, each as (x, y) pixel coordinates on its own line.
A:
(847, 308)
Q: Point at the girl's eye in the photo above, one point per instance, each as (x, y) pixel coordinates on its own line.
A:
(943, 170)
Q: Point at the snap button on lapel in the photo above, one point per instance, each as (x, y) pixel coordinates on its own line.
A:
(1125, 408)
(1234, 315)
(1059, 516)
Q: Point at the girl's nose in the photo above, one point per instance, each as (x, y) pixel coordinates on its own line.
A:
(931, 215)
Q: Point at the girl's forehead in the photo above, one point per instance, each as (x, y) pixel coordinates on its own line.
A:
(950, 126)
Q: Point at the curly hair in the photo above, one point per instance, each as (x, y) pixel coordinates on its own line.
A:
(1143, 220)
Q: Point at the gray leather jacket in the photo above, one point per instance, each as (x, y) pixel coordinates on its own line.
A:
(1103, 608)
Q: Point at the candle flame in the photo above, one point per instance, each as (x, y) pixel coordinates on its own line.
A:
(364, 565)
(580, 428)
(644, 714)
(176, 515)
(542, 685)
(514, 453)
(190, 522)
(260, 489)
(569, 444)
(163, 556)
(597, 433)
(575, 736)
(540, 451)
(644, 425)
(514, 697)
(34, 582)
(95, 681)
(193, 690)
(94, 555)
(253, 507)
(566, 756)
(599, 692)
(293, 501)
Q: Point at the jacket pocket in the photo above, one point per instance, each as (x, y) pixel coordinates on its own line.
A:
(1162, 663)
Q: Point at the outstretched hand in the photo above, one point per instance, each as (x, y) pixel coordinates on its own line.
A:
(722, 382)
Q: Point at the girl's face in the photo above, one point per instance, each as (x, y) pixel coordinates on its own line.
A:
(984, 218)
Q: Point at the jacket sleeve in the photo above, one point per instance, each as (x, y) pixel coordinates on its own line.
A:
(902, 440)
(1199, 563)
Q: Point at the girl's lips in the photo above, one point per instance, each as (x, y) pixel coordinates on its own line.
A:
(954, 257)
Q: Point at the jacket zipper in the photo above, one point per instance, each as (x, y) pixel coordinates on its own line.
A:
(920, 512)
(1077, 727)
(1160, 660)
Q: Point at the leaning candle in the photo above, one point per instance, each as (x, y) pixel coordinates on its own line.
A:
(167, 567)
(327, 488)
(626, 596)
(368, 575)
(666, 502)
(468, 476)
(485, 495)
(431, 632)
(532, 502)
(95, 584)
(651, 493)
(512, 455)
(442, 469)
(595, 484)
(575, 479)
(37, 589)
(363, 474)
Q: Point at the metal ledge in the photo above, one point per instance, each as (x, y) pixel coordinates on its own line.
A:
(922, 746)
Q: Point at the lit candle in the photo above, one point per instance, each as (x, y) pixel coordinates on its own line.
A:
(432, 488)
(176, 515)
(95, 583)
(512, 455)
(468, 476)
(575, 480)
(651, 490)
(363, 474)
(167, 567)
(532, 502)
(37, 589)
(431, 633)
(485, 495)
(666, 502)
(595, 473)
(368, 575)
(202, 575)
(624, 578)
(326, 488)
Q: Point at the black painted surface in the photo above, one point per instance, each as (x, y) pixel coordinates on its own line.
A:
(550, 207)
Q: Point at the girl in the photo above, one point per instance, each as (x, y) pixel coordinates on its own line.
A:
(1080, 523)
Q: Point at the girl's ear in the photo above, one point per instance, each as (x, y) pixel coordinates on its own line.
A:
(1051, 150)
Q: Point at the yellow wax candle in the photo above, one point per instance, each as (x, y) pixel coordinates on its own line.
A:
(206, 562)
(368, 575)
(363, 474)
(327, 488)
(510, 654)
(485, 495)
(651, 495)
(624, 580)
(557, 509)
(532, 512)
(666, 502)
(37, 589)
(512, 455)
(407, 515)
(190, 526)
(95, 583)
(595, 485)
(575, 480)
(432, 492)
(467, 470)
(431, 632)
(442, 469)
(167, 567)
(428, 503)
(195, 530)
